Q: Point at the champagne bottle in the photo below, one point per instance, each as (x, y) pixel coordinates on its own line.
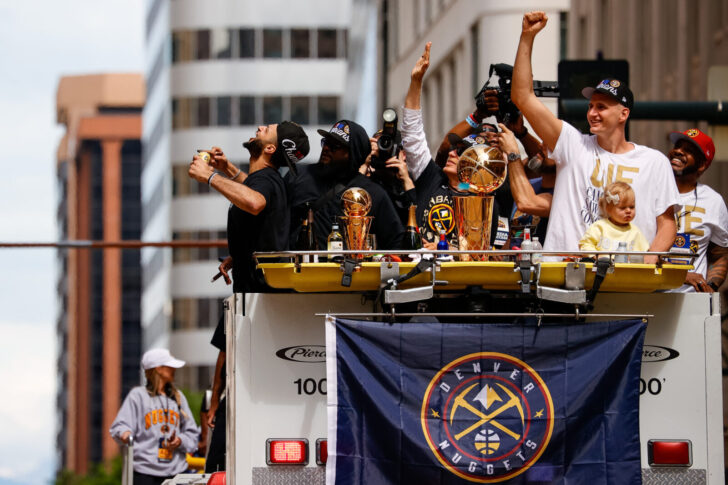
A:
(412, 240)
(335, 242)
(306, 238)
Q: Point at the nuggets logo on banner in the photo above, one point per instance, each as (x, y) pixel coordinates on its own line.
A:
(487, 417)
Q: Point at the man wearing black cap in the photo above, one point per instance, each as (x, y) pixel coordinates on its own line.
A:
(586, 164)
(702, 214)
(319, 186)
(258, 218)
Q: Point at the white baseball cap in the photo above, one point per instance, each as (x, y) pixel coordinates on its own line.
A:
(158, 357)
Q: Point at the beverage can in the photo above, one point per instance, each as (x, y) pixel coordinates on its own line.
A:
(205, 156)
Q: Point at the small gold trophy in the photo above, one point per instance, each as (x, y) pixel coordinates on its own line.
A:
(481, 170)
(356, 203)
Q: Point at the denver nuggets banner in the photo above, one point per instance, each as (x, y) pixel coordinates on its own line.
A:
(431, 403)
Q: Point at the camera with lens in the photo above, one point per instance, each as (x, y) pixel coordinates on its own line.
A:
(507, 110)
(389, 143)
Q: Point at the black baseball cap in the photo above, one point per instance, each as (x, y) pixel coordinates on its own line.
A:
(339, 133)
(292, 144)
(613, 88)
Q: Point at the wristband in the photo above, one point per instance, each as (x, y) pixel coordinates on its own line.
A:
(236, 175)
(471, 121)
(209, 180)
(713, 285)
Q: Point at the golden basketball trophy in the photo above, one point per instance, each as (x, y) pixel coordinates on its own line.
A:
(356, 204)
(481, 170)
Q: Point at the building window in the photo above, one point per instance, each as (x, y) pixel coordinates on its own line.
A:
(300, 43)
(272, 109)
(300, 106)
(246, 43)
(326, 43)
(246, 110)
(222, 43)
(203, 45)
(203, 112)
(183, 46)
(272, 43)
(328, 110)
(224, 103)
(191, 313)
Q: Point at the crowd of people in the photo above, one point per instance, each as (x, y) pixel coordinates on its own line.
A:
(590, 192)
(579, 192)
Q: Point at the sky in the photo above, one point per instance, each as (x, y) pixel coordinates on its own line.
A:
(41, 41)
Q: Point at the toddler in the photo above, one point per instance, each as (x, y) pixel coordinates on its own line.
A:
(616, 206)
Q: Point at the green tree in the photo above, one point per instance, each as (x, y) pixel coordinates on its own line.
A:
(97, 475)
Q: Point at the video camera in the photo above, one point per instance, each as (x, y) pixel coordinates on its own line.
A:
(507, 110)
(389, 143)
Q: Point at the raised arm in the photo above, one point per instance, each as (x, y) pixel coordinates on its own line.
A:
(526, 199)
(546, 125)
(240, 195)
(413, 129)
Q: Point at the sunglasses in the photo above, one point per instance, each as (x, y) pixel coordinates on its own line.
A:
(459, 148)
(333, 145)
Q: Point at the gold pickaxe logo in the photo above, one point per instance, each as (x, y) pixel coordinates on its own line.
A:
(489, 418)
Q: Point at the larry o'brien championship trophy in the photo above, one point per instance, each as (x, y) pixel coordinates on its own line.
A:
(481, 170)
(356, 203)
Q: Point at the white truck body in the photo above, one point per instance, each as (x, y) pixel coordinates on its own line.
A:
(277, 380)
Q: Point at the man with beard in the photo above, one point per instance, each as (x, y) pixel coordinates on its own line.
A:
(344, 148)
(702, 212)
(586, 164)
(258, 218)
(257, 221)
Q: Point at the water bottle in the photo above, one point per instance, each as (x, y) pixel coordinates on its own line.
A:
(536, 245)
(621, 248)
(335, 242)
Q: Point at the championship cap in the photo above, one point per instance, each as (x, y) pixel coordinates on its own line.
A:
(292, 144)
(461, 144)
(613, 88)
(699, 139)
(338, 133)
(158, 357)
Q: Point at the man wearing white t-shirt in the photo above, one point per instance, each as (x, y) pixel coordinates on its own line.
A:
(702, 212)
(585, 164)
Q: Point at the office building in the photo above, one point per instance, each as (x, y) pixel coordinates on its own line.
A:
(216, 70)
(99, 291)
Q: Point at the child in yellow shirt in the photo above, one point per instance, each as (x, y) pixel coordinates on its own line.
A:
(617, 209)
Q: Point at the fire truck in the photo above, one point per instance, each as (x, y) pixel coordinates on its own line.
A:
(277, 382)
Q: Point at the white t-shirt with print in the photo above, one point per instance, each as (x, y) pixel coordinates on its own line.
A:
(704, 216)
(583, 169)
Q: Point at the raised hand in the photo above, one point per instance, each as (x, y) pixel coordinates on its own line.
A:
(507, 140)
(418, 72)
(534, 22)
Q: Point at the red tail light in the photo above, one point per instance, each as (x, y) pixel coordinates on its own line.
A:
(217, 478)
(670, 453)
(322, 451)
(287, 451)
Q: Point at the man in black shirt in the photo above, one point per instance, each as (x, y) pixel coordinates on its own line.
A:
(343, 149)
(257, 221)
(258, 218)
